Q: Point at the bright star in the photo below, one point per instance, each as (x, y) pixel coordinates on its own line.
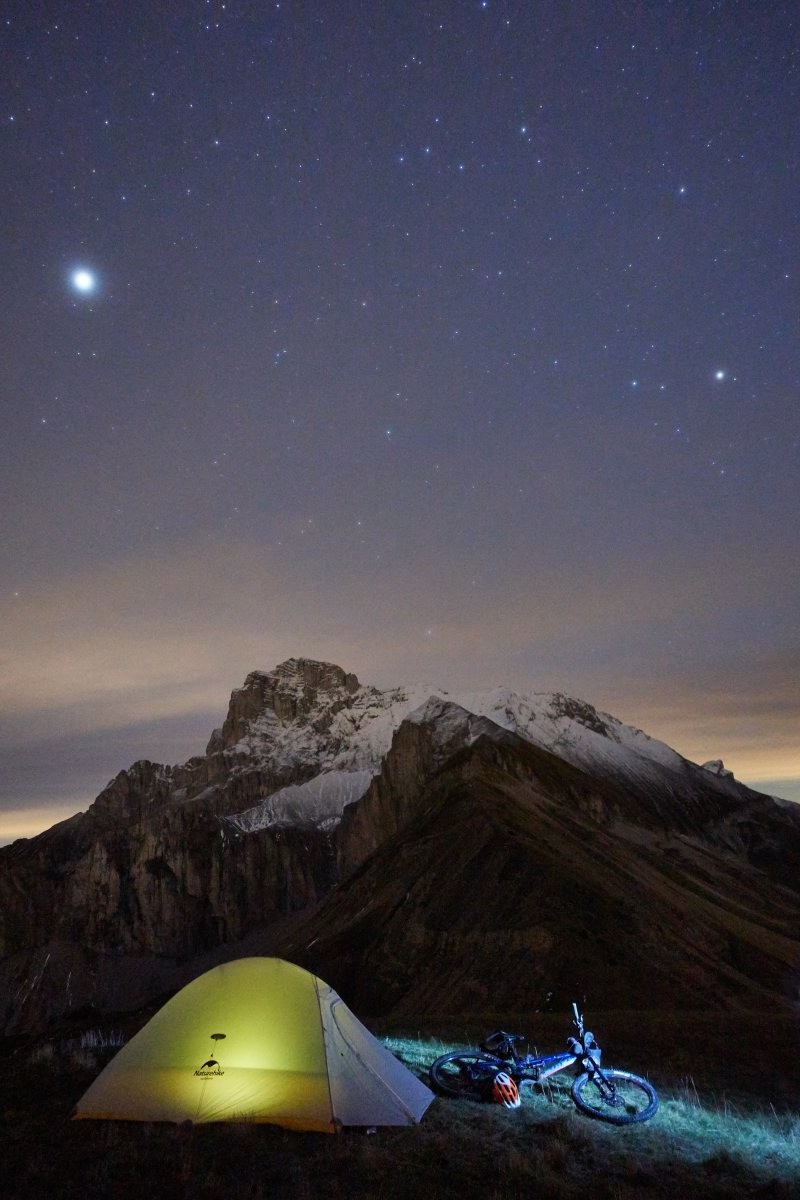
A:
(83, 280)
(719, 375)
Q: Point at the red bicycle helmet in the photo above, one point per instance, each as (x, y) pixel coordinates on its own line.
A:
(505, 1091)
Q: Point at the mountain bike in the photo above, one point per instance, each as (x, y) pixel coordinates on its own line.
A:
(609, 1095)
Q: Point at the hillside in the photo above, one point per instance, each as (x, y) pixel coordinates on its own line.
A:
(516, 879)
(416, 849)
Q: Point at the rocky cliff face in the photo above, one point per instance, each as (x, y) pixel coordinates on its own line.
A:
(153, 871)
(294, 691)
(374, 834)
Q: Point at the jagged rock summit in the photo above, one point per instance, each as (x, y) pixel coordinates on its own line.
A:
(307, 737)
(369, 834)
(289, 693)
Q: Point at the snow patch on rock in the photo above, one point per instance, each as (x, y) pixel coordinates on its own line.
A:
(716, 767)
(319, 802)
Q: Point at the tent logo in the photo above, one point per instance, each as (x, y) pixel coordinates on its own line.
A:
(211, 1065)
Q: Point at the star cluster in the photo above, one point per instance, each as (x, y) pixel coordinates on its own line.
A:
(454, 341)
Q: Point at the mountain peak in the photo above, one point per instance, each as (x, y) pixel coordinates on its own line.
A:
(309, 673)
(285, 695)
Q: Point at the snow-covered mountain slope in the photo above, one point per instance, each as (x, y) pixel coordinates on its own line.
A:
(318, 802)
(313, 718)
(578, 733)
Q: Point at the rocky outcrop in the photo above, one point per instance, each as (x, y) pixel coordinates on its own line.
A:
(153, 872)
(718, 768)
(292, 692)
(167, 885)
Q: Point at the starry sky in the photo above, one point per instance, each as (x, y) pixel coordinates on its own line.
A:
(449, 341)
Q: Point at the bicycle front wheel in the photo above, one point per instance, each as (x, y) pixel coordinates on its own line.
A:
(465, 1076)
(615, 1096)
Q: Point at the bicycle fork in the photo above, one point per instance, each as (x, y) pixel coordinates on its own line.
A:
(606, 1088)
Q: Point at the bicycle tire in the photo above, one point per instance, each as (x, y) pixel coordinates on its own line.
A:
(633, 1099)
(465, 1076)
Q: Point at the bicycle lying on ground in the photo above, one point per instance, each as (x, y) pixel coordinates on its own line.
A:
(609, 1095)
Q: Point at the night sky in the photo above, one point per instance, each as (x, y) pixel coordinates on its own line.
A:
(451, 342)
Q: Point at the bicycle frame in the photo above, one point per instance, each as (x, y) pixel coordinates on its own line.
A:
(542, 1067)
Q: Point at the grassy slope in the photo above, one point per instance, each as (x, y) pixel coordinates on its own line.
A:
(704, 1142)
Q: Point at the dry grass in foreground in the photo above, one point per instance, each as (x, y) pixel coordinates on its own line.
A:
(699, 1144)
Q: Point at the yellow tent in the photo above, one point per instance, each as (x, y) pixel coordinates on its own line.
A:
(258, 1039)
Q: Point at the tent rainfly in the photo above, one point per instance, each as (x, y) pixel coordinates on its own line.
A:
(258, 1039)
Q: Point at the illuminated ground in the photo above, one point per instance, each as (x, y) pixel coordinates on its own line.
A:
(703, 1142)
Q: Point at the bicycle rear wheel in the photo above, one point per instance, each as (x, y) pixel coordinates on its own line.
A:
(465, 1076)
(615, 1096)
